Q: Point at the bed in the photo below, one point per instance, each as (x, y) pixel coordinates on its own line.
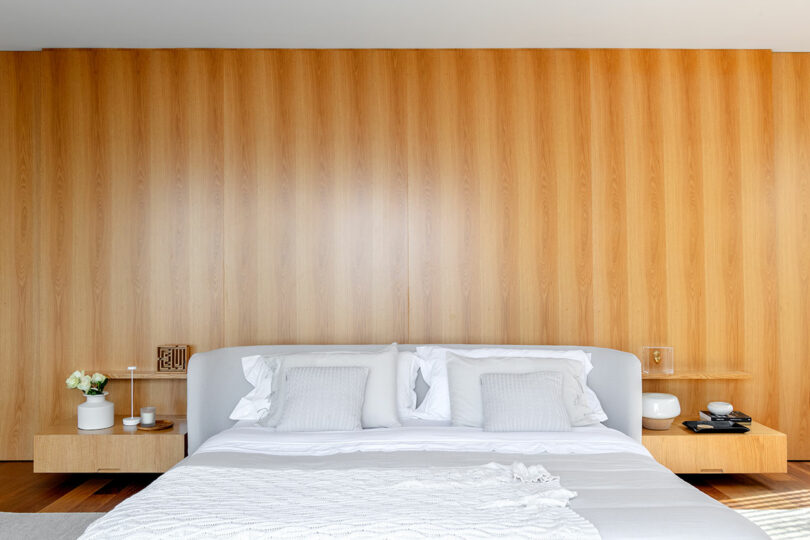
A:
(244, 481)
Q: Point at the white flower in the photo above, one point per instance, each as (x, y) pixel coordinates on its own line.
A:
(84, 384)
(98, 378)
(73, 381)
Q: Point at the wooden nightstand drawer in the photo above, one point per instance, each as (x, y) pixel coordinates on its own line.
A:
(64, 448)
(761, 450)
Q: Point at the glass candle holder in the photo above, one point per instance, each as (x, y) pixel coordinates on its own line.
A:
(657, 360)
(147, 416)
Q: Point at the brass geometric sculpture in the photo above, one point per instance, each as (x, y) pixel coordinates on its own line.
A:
(172, 358)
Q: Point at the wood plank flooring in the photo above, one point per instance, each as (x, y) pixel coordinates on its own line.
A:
(23, 491)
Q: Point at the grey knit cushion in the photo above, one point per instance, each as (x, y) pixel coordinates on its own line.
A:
(323, 399)
(524, 402)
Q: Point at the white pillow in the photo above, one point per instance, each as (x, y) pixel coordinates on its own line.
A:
(258, 370)
(380, 402)
(323, 399)
(524, 402)
(465, 386)
(407, 371)
(432, 362)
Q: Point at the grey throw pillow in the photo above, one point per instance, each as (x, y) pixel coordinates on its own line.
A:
(323, 399)
(524, 402)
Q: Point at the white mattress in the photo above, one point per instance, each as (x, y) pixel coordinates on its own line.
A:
(621, 492)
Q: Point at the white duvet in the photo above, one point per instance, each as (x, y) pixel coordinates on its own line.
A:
(419, 482)
(595, 439)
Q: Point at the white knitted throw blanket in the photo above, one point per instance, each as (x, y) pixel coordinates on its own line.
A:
(437, 502)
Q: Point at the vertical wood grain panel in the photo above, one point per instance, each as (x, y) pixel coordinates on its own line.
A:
(759, 332)
(610, 78)
(18, 131)
(571, 122)
(131, 213)
(646, 251)
(315, 180)
(791, 93)
(683, 193)
(718, 72)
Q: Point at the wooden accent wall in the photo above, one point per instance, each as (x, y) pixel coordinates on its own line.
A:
(792, 265)
(613, 198)
(18, 176)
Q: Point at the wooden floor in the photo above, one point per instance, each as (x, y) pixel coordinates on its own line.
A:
(758, 491)
(23, 491)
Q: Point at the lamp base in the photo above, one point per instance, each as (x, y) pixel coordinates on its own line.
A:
(658, 424)
(132, 420)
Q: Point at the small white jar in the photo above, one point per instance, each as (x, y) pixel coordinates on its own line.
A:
(720, 408)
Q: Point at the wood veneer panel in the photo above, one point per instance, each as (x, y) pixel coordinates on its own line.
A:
(683, 195)
(791, 93)
(718, 76)
(131, 212)
(315, 205)
(610, 78)
(498, 140)
(18, 116)
(644, 106)
(759, 327)
(570, 115)
(720, 233)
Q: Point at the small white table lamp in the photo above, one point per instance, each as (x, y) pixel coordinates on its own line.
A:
(132, 420)
(659, 410)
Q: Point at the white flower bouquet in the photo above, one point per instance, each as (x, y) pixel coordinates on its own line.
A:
(90, 385)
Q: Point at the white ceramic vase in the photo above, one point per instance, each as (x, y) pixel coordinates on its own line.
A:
(96, 412)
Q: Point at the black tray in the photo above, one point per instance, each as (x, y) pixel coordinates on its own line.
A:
(720, 426)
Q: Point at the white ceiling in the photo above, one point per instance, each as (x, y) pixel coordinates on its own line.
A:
(782, 25)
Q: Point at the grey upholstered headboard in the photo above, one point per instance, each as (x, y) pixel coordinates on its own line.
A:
(215, 384)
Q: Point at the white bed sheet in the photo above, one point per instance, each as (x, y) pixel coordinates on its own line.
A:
(250, 438)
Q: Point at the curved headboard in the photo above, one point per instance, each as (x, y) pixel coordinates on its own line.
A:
(215, 384)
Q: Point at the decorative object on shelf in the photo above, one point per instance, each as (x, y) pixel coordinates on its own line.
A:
(715, 426)
(96, 412)
(734, 416)
(132, 420)
(147, 416)
(657, 360)
(172, 358)
(720, 408)
(157, 426)
(659, 410)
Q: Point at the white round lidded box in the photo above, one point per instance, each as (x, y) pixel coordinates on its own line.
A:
(658, 410)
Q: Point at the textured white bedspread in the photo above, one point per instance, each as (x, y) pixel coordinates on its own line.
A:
(251, 483)
(436, 502)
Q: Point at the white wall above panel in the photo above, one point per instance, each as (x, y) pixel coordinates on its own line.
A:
(782, 25)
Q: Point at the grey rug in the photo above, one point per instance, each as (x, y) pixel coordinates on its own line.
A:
(781, 524)
(44, 526)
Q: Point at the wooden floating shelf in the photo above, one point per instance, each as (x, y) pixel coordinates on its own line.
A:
(116, 375)
(697, 375)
